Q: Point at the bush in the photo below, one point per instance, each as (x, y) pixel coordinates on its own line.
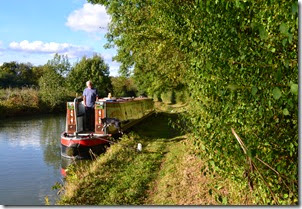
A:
(52, 88)
(18, 101)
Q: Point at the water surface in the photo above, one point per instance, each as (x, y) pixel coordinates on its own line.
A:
(30, 159)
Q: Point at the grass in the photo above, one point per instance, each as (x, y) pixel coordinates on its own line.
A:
(122, 175)
(184, 180)
(166, 172)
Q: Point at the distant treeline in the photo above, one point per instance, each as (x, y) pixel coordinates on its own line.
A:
(57, 80)
(27, 89)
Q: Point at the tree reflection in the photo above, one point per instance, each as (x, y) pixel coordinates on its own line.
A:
(51, 129)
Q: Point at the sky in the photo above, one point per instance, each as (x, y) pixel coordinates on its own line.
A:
(34, 30)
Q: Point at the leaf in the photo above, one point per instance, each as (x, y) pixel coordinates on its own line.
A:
(295, 8)
(224, 200)
(263, 33)
(279, 75)
(283, 28)
(254, 90)
(276, 93)
(212, 163)
(233, 87)
(285, 111)
(208, 125)
(294, 88)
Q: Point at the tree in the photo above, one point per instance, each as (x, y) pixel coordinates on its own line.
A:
(60, 63)
(13, 74)
(93, 69)
(52, 87)
(52, 82)
(123, 86)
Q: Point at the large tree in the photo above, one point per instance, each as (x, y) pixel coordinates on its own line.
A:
(93, 69)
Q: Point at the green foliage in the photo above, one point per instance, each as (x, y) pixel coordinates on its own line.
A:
(52, 88)
(174, 97)
(18, 101)
(123, 87)
(238, 60)
(52, 83)
(13, 74)
(60, 63)
(244, 68)
(168, 97)
(93, 69)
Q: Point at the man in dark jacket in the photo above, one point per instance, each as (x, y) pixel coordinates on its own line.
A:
(90, 95)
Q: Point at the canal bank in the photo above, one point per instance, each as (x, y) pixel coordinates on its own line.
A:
(123, 175)
(26, 102)
(165, 172)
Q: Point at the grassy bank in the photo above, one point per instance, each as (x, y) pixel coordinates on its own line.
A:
(166, 172)
(25, 101)
(122, 175)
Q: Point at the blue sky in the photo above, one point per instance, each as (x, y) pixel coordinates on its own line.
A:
(34, 30)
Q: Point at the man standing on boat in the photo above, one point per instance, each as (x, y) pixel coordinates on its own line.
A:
(90, 95)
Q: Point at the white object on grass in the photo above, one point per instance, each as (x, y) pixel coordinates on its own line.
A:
(139, 147)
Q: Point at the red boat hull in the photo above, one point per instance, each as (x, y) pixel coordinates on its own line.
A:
(83, 147)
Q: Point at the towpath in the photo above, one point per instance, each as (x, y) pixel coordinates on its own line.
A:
(165, 172)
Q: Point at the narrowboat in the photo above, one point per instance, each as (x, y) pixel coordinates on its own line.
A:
(78, 143)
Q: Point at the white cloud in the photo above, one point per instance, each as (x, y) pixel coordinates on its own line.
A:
(89, 18)
(61, 48)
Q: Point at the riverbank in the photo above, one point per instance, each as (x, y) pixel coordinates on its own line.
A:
(166, 172)
(26, 101)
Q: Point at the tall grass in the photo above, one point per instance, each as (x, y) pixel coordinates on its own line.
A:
(24, 101)
(15, 101)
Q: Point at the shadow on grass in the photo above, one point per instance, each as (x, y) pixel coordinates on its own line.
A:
(158, 126)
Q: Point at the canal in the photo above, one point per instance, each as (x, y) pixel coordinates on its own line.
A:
(30, 159)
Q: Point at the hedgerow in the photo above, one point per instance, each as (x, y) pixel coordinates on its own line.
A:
(238, 61)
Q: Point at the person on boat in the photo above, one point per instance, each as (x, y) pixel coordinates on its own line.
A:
(90, 95)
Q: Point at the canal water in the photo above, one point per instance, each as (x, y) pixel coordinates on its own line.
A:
(30, 159)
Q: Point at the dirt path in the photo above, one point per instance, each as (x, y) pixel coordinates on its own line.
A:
(180, 181)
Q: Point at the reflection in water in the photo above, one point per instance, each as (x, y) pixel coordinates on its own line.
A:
(30, 159)
(50, 142)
